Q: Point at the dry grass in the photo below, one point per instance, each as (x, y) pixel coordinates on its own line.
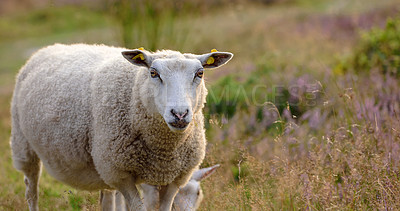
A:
(351, 161)
(340, 152)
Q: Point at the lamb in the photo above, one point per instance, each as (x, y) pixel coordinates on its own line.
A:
(189, 197)
(97, 119)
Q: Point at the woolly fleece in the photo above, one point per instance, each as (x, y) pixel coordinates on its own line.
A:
(80, 110)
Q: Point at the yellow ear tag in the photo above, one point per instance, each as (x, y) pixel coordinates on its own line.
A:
(210, 60)
(141, 48)
(137, 56)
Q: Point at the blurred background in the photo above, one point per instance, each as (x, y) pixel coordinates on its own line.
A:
(305, 116)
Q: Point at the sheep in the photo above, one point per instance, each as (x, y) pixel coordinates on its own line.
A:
(189, 197)
(99, 117)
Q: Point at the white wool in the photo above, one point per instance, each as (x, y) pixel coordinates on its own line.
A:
(188, 198)
(95, 122)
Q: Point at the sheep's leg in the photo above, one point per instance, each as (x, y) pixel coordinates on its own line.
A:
(107, 200)
(32, 185)
(26, 160)
(150, 197)
(120, 204)
(133, 199)
(131, 194)
(111, 200)
(167, 195)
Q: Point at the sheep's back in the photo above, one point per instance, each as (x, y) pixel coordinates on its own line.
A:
(53, 102)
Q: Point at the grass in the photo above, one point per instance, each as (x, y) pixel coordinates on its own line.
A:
(324, 139)
(48, 21)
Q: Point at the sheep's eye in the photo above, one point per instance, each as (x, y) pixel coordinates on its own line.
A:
(199, 73)
(153, 73)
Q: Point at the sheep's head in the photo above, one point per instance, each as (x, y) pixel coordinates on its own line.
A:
(176, 85)
(189, 196)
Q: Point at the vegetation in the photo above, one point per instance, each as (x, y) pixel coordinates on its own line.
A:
(290, 128)
(380, 49)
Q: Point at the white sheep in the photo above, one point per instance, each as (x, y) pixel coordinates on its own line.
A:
(188, 197)
(96, 121)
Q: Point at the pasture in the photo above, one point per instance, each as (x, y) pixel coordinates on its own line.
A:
(305, 116)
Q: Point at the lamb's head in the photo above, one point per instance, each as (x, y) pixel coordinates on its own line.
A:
(190, 196)
(175, 84)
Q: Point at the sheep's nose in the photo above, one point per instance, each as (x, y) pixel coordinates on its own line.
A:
(179, 115)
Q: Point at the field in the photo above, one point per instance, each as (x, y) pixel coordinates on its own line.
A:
(305, 116)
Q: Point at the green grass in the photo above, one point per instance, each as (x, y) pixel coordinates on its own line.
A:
(326, 140)
(54, 20)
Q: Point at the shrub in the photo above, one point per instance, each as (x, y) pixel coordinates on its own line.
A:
(380, 48)
(229, 95)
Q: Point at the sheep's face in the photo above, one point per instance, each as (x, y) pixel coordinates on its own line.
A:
(189, 196)
(176, 82)
(178, 89)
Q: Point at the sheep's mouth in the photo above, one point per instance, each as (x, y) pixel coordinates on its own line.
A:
(179, 124)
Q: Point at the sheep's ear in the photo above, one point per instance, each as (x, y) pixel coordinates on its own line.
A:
(215, 59)
(138, 57)
(204, 173)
